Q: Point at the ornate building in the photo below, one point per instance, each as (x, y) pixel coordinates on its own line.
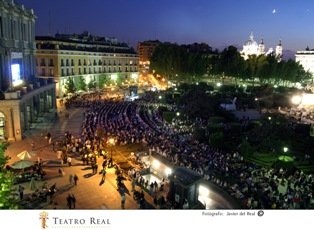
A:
(83, 55)
(23, 97)
(252, 48)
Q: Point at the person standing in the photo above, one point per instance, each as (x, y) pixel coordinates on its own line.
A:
(69, 201)
(103, 177)
(21, 191)
(123, 198)
(69, 160)
(75, 178)
(133, 185)
(73, 199)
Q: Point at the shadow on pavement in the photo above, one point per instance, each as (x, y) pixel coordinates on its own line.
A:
(88, 175)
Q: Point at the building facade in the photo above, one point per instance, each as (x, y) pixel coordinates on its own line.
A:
(306, 59)
(22, 96)
(86, 56)
(145, 51)
(251, 47)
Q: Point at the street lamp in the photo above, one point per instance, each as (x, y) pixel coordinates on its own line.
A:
(178, 114)
(285, 149)
(111, 142)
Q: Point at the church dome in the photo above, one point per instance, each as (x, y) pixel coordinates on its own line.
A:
(251, 41)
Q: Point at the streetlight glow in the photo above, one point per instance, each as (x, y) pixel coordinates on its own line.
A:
(114, 77)
(296, 99)
(285, 149)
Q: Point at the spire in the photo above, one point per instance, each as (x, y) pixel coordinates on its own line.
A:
(262, 41)
(251, 36)
(280, 43)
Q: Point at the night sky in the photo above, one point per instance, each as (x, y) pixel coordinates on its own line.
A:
(216, 22)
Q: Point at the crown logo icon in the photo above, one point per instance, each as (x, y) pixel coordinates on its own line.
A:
(43, 216)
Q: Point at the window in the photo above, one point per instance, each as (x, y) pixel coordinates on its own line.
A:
(50, 72)
(80, 72)
(72, 62)
(50, 62)
(84, 62)
(62, 72)
(11, 29)
(84, 70)
(99, 62)
(79, 62)
(42, 62)
(62, 62)
(67, 62)
(95, 63)
(68, 72)
(43, 72)
(1, 28)
(23, 32)
(72, 71)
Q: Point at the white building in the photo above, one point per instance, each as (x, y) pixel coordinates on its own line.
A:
(306, 59)
(252, 48)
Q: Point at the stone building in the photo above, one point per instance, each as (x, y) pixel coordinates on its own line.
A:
(23, 97)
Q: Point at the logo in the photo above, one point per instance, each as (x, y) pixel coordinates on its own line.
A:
(260, 213)
(43, 216)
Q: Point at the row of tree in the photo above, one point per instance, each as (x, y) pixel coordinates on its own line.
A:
(173, 60)
(179, 61)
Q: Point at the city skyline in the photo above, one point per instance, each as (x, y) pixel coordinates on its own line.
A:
(217, 23)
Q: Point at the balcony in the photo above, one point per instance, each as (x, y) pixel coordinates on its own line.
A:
(12, 95)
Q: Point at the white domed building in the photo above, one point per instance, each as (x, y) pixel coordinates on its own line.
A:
(252, 48)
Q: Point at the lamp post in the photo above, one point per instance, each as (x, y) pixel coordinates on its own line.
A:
(111, 142)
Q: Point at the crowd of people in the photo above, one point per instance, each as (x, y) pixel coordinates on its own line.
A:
(137, 122)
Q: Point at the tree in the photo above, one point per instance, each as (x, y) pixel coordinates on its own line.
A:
(180, 62)
(103, 80)
(91, 85)
(81, 84)
(70, 86)
(7, 198)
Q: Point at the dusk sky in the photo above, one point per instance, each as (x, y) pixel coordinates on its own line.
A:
(216, 22)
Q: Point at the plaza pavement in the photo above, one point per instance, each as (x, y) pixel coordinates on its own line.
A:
(88, 193)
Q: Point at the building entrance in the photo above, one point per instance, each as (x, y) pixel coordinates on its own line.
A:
(2, 126)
